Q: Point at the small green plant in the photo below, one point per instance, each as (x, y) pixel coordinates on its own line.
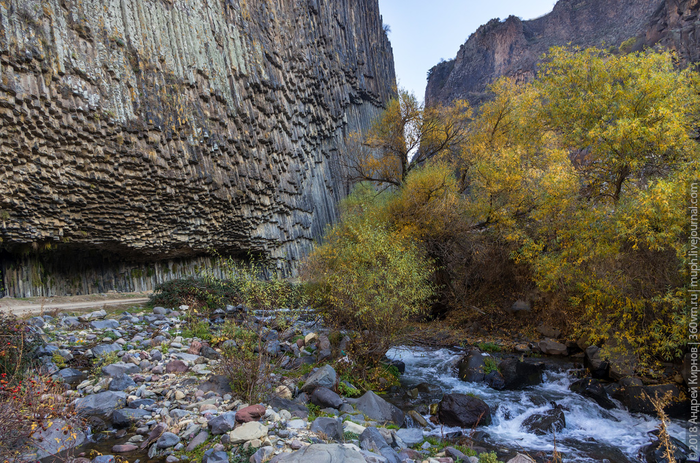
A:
(199, 329)
(164, 348)
(348, 390)
(489, 347)
(314, 411)
(391, 426)
(490, 365)
(242, 455)
(490, 457)
(111, 335)
(350, 436)
(58, 360)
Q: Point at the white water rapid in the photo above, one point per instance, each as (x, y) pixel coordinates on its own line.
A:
(592, 434)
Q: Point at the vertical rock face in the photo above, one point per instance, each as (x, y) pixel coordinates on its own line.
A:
(514, 47)
(151, 130)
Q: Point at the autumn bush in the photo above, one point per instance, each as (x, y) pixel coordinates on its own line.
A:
(368, 276)
(29, 408)
(17, 345)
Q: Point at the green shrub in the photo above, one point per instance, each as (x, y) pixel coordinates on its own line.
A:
(199, 329)
(490, 364)
(369, 278)
(490, 457)
(489, 347)
(198, 293)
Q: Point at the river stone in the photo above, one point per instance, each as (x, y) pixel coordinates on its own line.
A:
(548, 331)
(212, 456)
(379, 409)
(219, 384)
(53, 440)
(223, 423)
(127, 416)
(120, 368)
(246, 432)
(96, 315)
(70, 375)
(552, 347)
(105, 324)
(104, 349)
(323, 377)
(372, 440)
(176, 366)
(545, 422)
(596, 365)
(121, 382)
(100, 404)
(250, 413)
(331, 427)
(410, 436)
(351, 426)
(518, 375)
(591, 388)
(656, 452)
(324, 397)
(463, 410)
(636, 400)
(322, 453)
(167, 440)
(187, 357)
(262, 454)
(520, 458)
(104, 459)
(197, 441)
(471, 367)
(124, 448)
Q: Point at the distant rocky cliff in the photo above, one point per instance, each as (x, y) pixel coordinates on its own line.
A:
(514, 47)
(136, 136)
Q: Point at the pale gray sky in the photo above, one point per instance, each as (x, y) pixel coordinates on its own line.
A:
(424, 31)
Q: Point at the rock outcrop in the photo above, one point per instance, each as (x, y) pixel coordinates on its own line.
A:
(514, 47)
(138, 135)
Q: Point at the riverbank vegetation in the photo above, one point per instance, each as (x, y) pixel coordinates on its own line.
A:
(568, 192)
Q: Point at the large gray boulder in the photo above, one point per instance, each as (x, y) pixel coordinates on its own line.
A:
(324, 397)
(372, 440)
(223, 423)
(471, 367)
(322, 453)
(121, 382)
(545, 422)
(105, 324)
(379, 409)
(120, 368)
(410, 436)
(518, 375)
(463, 410)
(100, 404)
(323, 377)
(331, 427)
(595, 363)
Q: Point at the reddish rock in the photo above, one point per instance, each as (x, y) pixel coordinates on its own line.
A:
(176, 366)
(195, 348)
(300, 343)
(251, 413)
(124, 448)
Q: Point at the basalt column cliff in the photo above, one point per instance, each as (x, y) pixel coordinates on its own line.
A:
(137, 136)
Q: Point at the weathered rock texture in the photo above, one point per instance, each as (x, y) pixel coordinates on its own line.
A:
(514, 47)
(148, 131)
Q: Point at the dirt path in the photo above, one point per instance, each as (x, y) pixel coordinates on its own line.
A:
(49, 305)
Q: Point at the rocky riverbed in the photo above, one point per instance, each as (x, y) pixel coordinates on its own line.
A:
(160, 396)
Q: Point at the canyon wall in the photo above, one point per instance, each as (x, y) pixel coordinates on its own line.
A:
(138, 136)
(514, 47)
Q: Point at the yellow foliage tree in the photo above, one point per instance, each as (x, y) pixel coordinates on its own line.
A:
(405, 136)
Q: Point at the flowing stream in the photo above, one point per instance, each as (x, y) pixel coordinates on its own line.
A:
(592, 434)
